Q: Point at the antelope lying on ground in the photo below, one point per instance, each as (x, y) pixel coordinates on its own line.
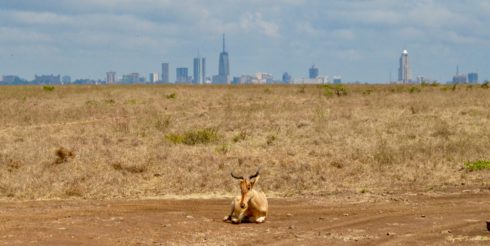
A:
(252, 205)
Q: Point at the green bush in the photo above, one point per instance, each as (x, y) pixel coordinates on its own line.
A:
(414, 89)
(485, 84)
(330, 90)
(202, 136)
(171, 96)
(239, 137)
(477, 165)
(48, 88)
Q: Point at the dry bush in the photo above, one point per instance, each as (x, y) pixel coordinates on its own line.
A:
(63, 155)
(375, 138)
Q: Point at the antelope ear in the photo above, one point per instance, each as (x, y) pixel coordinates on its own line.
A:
(252, 182)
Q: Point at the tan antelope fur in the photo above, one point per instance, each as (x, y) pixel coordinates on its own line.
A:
(252, 205)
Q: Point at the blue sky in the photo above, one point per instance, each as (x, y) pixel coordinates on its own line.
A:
(360, 40)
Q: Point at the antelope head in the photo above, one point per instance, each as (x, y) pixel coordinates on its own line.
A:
(246, 186)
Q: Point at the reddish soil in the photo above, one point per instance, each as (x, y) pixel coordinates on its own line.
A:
(407, 220)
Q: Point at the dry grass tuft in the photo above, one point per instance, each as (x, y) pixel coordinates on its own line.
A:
(193, 137)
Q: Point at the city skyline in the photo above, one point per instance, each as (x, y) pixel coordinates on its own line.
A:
(359, 40)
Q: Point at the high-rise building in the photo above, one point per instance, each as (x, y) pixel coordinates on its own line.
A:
(199, 70)
(286, 77)
(263, 78)
(66, 79)
(337, 79)
(111, 77)
(165, 75)
(132, 78)
(203, 67)
(404, 71)
(459, 78)
(153, 77)
(473, 77)
(47, 79)
(223, 76)
(182, 75)
(313, 72)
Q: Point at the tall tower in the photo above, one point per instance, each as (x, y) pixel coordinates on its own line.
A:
(165, 73)
(404, 72)
(224, 66)
(199, 69)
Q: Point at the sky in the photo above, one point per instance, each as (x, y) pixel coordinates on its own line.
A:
(360, 40)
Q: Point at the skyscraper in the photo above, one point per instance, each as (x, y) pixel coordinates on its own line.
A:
(165, 73)
(404, 72)
(224, 66)
(111, 77)
(473, 77)
(199, 70)
(286, 77)
(313, 72)
(153, 77)
(182, 75)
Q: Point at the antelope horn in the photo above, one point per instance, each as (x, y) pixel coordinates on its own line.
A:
(237, 177)
(256, 174)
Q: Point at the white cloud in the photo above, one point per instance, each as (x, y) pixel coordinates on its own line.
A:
(254, 22)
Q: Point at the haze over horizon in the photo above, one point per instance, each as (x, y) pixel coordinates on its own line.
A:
(359, 40)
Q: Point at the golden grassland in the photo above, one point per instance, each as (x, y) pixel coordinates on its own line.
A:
(109, 142)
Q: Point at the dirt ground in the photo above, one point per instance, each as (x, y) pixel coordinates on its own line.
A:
(410, 219)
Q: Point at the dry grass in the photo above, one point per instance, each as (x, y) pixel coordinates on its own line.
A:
(108, 142)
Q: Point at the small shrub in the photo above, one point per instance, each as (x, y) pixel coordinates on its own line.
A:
(267, 91)
(162, 124)
(240, 137)
(302, 89)
(485, 84)
(172, 95)
(74, 190)
(110, 101)
(62, 155)
(48, 88)
(13, 165)
(91, 103)
(175, 138)
(223, 149)
(426, 84)
(131, 169)
(271, 139)
(367, 92)
(414, 89)
(330, 90)
(384, 154)
(202, 136)
(477, 165)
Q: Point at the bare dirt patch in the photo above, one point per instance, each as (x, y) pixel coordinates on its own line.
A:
(411, 219)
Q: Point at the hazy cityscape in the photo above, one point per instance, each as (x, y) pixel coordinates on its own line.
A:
(199, 75)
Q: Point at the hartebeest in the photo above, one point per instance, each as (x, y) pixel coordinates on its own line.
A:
(252, 205)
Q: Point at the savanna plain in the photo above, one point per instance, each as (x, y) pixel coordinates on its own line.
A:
(150, 164)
